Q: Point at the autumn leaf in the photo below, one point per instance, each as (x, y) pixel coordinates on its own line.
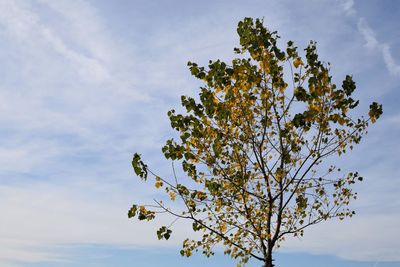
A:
(158, 183)
(172, 195)
(297, 62)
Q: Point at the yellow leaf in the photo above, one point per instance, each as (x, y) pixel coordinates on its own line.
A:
(159, 183)
(279, 175)
(297, 62)
(222, 227)
(200, 195)
(341, 120)
(316, 108)
(172, 195)
(372, 116)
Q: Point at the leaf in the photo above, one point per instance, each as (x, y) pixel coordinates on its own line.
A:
(139, 167)
(158, 183)
(145, 214)
(167, 235)
(222, 227)
(164, 233)
(132, 211)
(172, 195)
(375, 111)
(301, 94)
(297, 62)
(349, 85)
(298, 120)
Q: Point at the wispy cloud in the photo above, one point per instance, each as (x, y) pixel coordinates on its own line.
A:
(352, 239)
(372, 43)
(26, 26)
(368, 34)
(69, 101)
(46, 216)
(392, 66)
(348, 7)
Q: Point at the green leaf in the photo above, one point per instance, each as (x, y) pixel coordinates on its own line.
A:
(375, 111)
(132, 211)
(139, 167)
(164, 233)
(348, 85)
(301, 94)
(298, 120)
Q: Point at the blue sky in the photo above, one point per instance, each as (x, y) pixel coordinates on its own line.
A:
(85, 84)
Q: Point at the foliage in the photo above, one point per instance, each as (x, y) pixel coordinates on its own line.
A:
(253, 145)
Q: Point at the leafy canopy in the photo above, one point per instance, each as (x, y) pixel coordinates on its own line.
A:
(253, 146)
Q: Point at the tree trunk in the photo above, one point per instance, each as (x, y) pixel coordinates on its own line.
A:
(268, 261)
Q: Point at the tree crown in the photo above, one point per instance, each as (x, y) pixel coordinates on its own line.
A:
(253, 145)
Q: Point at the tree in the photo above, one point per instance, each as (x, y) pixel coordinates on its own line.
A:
(254, 148)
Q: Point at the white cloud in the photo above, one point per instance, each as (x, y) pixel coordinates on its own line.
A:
(391, 65)
(13, 249)
(371, 41)
(352, 239)
(348, 7)
(373, 44)
(61, 88)
(88, 68)
(58, 79)
(26, 26)
(20, 158)
(45, 216)
(368, 34)
(86, 27)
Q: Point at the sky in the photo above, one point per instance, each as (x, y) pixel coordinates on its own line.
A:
(86, 83)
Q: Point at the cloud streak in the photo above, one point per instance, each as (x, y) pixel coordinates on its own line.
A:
(348, 7)
(25, 25)
(372, 43)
